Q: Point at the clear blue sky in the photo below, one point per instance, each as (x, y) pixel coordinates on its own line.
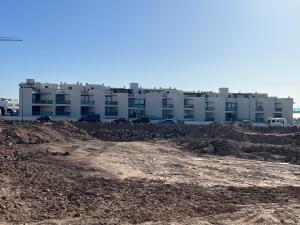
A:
(246, 45)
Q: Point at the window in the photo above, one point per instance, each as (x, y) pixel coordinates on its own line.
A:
(46, 86)
(70, 88)
(92, 88)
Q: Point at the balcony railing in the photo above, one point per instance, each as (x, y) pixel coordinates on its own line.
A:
(209, 108)
(36, 91)
(63, 102)
(259, 109)
(35, 101)
(189, 106)
(38, 113)
(42, 91)
(167, 116)
(278, 109)
(136, 106)
(132, 116)
(111, 114)
(87, 102)
(131, 95)
(60, 92)
(84, 92)
(231, 109)
(167, 106)
(59, 113)
(111, 103)
(189, 117)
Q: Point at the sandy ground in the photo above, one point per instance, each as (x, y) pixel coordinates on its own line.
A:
(164, 162)
(59, 174)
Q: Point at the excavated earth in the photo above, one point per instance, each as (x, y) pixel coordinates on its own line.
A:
(86, 173)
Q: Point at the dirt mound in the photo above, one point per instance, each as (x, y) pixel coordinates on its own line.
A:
(47, 188)
(217, 139)
(37, 133)
(51, 172)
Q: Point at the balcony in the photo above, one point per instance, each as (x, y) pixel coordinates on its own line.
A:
(38, 113)
(36, 91)
(131, 95)
(167, 106)
(259, 109)
(111, 113)
(111, 103)
(60, 92)
(42, 91)
(87, 102)
(136, 106)
(188, 117)
(62, 102)
(61, 113)
(132, 116)
(35, 101)
(189, 106)
(209, 109)
(209, 119)
(85, 92)
(231, 109)
(167, 116)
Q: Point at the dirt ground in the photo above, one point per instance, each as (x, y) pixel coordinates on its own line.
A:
(81, 173)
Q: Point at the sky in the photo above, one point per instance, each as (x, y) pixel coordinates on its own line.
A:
(245, 45)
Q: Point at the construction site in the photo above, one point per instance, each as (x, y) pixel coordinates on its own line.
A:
(91, 173)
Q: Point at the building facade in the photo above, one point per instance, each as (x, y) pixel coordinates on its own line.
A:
(71, 101)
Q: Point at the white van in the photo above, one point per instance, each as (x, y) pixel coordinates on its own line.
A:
(277, 122)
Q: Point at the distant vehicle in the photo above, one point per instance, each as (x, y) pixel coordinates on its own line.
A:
(13, 107)
(44, 119)
(167, 122)
(277, 122)
(141, 120)
(3, 106)
(121, 121)
(90, 118)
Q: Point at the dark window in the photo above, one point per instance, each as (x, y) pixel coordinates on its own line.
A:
(92, 88)
(46, 86)
(70, 88)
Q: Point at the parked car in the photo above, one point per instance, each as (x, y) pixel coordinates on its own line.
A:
(90, 118)
(277, 122)
(167, 122)
(121, 121)
(141, 120)
(44, 119)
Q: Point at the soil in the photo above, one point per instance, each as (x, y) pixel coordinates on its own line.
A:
(86, 173)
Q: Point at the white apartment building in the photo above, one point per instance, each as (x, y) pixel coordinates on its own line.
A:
(71, 101)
